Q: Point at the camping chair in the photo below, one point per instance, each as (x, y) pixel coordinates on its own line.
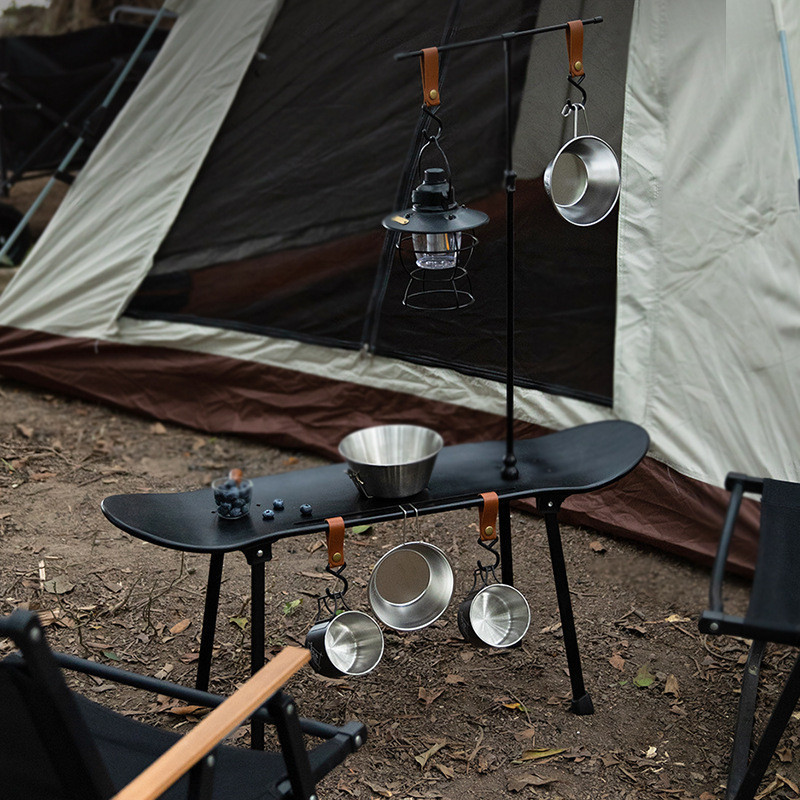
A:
(773, 615)
(58, 745)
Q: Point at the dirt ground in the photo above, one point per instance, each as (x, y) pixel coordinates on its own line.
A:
(446, 720)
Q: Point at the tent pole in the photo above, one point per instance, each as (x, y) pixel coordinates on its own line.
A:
(92, 121)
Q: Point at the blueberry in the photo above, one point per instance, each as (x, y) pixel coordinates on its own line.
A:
(224, 508)
(236, 512)
(268, 513)
(277, 504)
(246, 508)
(305, 509)
(230, 484)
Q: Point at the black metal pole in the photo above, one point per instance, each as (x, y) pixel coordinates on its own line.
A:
(209, 621)
(257, 586)
(510, 471)
(501, 37)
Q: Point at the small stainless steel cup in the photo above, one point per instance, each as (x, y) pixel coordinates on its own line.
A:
(350, 643)
(498, 616)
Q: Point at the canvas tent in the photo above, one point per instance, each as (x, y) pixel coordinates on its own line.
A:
(219, 261)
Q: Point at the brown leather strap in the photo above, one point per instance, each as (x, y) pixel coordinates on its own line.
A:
(488, 521)
(335, 538)
(429, 64)
(575, 47)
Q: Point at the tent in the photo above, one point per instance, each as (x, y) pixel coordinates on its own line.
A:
(219, 261)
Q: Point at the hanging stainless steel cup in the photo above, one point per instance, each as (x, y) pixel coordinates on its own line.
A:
(498, 616)
(583, 179)
(411, 586)
(350, 643)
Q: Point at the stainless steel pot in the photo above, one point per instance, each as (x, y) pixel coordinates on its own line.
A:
(391, 460)
(584, 177)
(411, 586)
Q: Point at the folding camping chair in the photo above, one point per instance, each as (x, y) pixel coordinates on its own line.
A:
(58, 745)
(773, 615)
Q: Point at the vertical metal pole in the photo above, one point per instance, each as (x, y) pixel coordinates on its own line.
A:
(209, 621)
(506, 558)
(581, 701)
(510, 471)
(257, 641)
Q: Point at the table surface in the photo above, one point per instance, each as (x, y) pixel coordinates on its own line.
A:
(556, 465)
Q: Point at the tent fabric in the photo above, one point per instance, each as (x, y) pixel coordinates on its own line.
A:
(704, 304)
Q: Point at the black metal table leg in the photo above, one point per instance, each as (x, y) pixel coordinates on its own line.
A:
(740, 754)
(772, 735)
(506, 559)
(257, 587)
(581, 701)
(209, 621)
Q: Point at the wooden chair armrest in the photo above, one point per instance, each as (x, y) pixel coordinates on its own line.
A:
(207, 734)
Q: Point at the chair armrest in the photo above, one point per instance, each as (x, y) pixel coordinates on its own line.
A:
(206, 735)
(737, 484)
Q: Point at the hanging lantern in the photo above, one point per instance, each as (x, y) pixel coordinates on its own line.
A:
(436, 244)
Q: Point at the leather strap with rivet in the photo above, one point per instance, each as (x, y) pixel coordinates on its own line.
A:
(575, 47)
(429, 64)
(335, 537)
(488, 516)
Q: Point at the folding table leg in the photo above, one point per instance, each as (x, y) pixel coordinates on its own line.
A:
(772, 735)
(209, 621)
(740, 754)
(257, 588)
(581, 701)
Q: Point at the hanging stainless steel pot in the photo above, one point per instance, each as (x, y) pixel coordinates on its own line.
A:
(584, 177)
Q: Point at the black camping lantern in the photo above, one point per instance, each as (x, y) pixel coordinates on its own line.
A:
(436, 244)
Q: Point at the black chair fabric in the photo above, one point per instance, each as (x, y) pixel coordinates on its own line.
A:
(59, 745)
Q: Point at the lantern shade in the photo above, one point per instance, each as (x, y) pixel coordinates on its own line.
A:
(434, 209)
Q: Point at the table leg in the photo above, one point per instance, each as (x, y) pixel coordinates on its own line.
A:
(209, 621)
(581, 701)
(506, 559)
(257, 589)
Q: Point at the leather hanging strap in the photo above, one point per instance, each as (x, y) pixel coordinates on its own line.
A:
(488, 520)
(335, 537)
(575, 47)
(429, 64)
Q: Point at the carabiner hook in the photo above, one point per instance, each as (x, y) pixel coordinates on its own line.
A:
(337, 573)
(489, 545)
(432, 137)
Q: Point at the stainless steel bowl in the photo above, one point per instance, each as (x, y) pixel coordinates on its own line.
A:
(411, 586)
(391, 460)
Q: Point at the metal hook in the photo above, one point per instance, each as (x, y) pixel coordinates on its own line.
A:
(576, 82)
(490, 547)
(416, 518)
(337, 573)
(435, 136)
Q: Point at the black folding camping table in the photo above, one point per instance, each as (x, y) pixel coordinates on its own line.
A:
(551, 468)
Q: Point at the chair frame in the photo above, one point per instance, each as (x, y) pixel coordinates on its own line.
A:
(746, 772)
(78, 763)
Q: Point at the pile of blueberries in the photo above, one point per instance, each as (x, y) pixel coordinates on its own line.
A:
(233, 499)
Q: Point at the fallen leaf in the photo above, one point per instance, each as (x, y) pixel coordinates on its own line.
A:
(598, 547)
(180, 627)
(785, 754)
(448, 772)
(423, 758)
(41, 476)
(651, 752)
(59, 585)
(360, 528)
(526, 737)
(25, 430)
(158, 429)
(541, 752)
(111, 655)
(643, 677)
(291, 606)
(428, 695)
(454, 679)
(240, 622)
(791, 784)
(617, 661)
(671, 686)
(520, 782)
(378, 789)
(184, 711)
